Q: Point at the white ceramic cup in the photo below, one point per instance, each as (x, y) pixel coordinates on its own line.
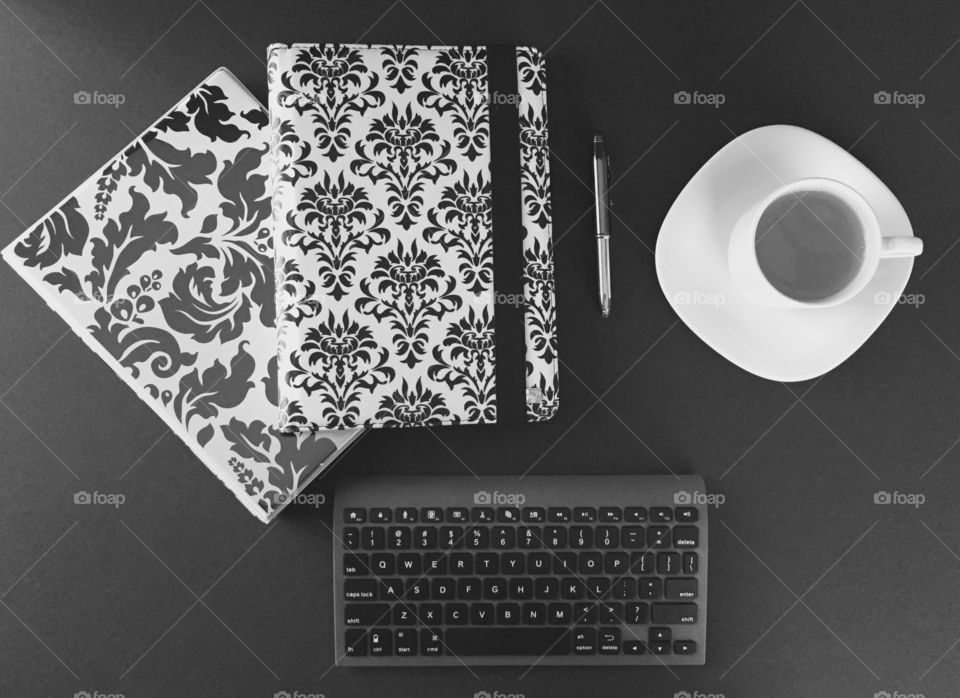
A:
(753, 283)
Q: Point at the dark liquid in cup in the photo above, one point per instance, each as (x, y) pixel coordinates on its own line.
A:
(809, 245)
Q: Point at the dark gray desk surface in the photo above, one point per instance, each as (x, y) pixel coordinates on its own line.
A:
(815, 590)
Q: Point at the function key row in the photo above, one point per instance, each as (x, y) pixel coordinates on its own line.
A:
(383, 515)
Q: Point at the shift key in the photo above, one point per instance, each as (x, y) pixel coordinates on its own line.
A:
(673, 614)
(364, 614)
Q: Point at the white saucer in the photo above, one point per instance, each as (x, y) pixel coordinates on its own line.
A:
(783, 345)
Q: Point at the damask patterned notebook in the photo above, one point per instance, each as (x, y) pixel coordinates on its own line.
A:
(412, 230)
(162, 263)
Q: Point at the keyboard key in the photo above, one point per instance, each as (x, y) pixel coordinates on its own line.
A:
(431, 643)
(564, 563)
(408, 564)
(416, 590)
(424, 537)
(355, 565)
(585, 641)
(668, 563)
(495, 588)
(686, 536)
(381, 642)
(684, 647)
(405, 643)
(529, 538)
(581, 537)
(372, 538)
(507, 641)
(434, 563)
(674, 613)
(458, 515)
(632, 537)
(512, 563)
(355, 644)
(365, 614)
(585, 514)
(456, 614)
(637, 613)
(625, 588)
(399, 537)
(381, 564)
(610, 613)
(558, 514)
(482, 614)
(615, 564)
(469, 589)
(381, 515)
(555, 537)
(521, 588)
(478, 538)
(659, 647)
(635, 514)
(461, 563)
(487, 563)
(560, 614)
(590, 563)
(585, 613)
(547, 588)
(634, 648)
(658, 537)
(571, 589)
(354, 515)
(451, 537)
(659, 634)
(650, 588)
(534, 515)
(403, 615)
(503, 537)
(610, 514)
(597, 587)
(431, 514)
(508, 613)
(691, 563)
(406, 515)
(431, 614)
(680, 588)
(482, 515)
(608, 640)
(351, 537)
(686, 515)
(442, 589)
(534, 614)
(508, 515)
(642, 563)
(607, 537)
(360, 589)
(391, 589)
(661, 514)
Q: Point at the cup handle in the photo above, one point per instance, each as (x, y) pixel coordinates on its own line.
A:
(901, 246)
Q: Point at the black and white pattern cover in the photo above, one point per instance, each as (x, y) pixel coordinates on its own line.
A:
(162, 263)
(382, 219)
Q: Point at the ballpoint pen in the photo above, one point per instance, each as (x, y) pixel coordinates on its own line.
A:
(601, 172)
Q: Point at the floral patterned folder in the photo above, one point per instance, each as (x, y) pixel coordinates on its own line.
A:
(412, 229)
(162, 263)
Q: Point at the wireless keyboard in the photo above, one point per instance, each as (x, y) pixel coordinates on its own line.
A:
(502, 570)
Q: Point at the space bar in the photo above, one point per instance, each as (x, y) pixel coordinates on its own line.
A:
(506, 641)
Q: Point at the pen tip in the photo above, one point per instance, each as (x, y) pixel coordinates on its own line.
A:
(598, 138)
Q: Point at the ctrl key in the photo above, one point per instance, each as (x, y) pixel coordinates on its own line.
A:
(380, 641)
